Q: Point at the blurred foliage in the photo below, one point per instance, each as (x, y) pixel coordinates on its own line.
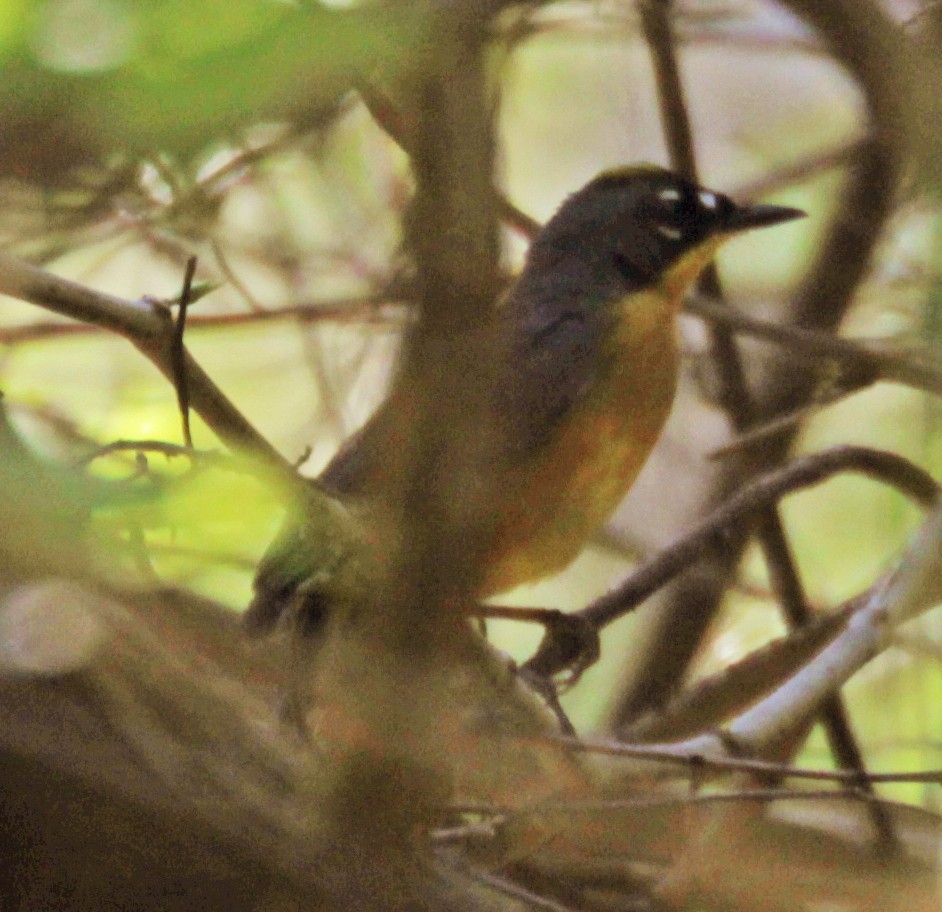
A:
(136, 132)
(85, 77)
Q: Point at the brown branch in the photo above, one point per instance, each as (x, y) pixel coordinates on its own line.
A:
(178, 352)
(226, 269)
(800, 169)
(864, 360)
(757, 495)
(150, 721)
(733, 393)
(666, 800)
(389, 652)
(767, 432)
(824, 296)
(169, 450)
(725, 357)
(149, 327)
(900, 77)
(378, 310)
(877, 53)
(697, 763)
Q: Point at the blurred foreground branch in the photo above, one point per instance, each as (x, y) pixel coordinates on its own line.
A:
(149, 326)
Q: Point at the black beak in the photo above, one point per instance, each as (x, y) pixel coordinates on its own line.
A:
(744, 218)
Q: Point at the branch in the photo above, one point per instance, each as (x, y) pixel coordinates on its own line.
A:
(821, 301)
(178, 353)
(734, 394)
(149, 721)
(914, 587)
(868, 360)
(380, 309)
(768, 489)
(149, 326)
(695, 764)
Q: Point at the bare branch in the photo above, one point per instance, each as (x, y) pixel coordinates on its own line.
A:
(149, 327)
(914, 587)
(377, 310)
(869, 360)
(177, 352)
(696, 764)
(770, 488)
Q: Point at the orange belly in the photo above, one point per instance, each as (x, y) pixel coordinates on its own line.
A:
(552, 503)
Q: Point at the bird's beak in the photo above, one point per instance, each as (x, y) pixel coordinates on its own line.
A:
(744, 218)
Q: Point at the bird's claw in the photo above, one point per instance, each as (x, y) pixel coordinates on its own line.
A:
(569, 647)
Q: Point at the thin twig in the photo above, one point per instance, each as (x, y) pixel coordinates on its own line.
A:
(225, 267)
(169, 450)
(177, 352)
(698, 762)
(806, 472)
(147, 325)
(733, 392)
(516, 891)
(864, 360)
(766, 796)
(800, 169)
(377, 310)
(765, 432)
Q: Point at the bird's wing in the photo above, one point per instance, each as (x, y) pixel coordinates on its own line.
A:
(552, 368)
(549, 370)
(283, 568)
(362, 457)
(286, 562)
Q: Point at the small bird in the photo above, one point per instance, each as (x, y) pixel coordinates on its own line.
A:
(588, 336)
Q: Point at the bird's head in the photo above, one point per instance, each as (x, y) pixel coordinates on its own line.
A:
(646, 224)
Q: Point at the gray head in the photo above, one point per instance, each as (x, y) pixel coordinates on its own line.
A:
(636, 223)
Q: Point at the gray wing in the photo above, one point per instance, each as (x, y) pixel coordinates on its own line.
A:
(550, 369)
(554, 365)
(361, 457)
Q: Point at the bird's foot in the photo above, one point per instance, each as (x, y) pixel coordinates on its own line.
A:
(570, 644)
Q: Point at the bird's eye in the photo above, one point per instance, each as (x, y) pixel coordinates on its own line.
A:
(671, 213)
(685, 213)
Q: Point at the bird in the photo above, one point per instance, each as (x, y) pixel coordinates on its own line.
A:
(590, 363)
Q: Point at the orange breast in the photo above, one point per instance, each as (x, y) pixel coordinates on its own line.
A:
(555, 500)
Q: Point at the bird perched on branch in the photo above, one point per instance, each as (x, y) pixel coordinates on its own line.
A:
(588, 374)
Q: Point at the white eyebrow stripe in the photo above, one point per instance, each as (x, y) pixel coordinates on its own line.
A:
(708, 199)
(672, 234)
(670, 195)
